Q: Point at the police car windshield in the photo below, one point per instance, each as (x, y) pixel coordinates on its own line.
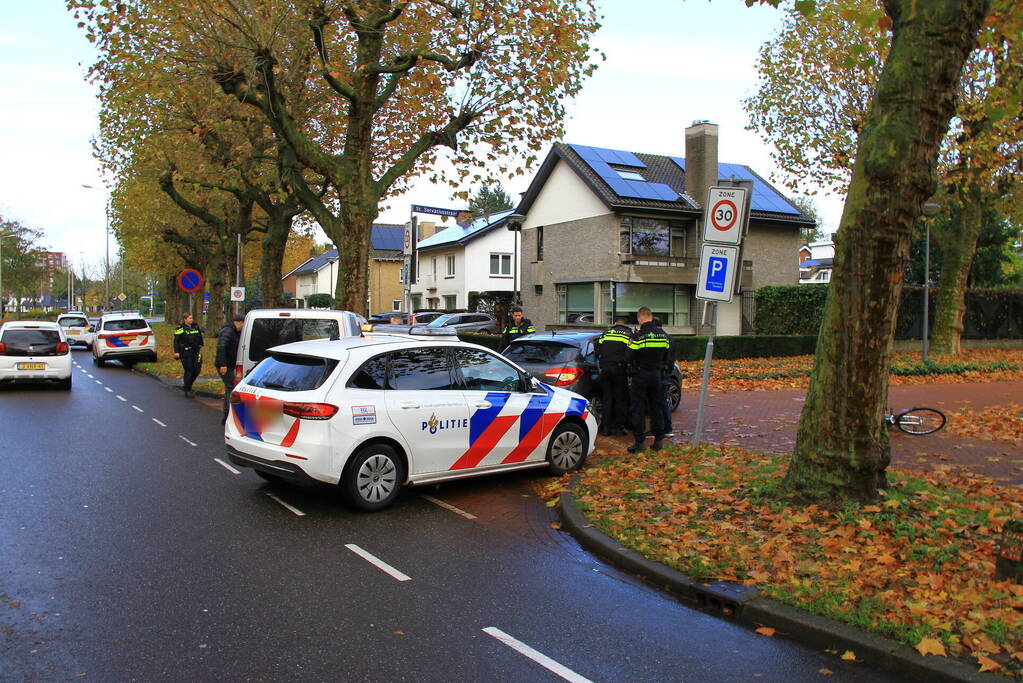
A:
(285, 372)
(541, 352)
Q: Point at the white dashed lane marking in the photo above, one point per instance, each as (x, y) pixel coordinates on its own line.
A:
(121, 398)
(538, 657)
(449, 506)
(226, 466)
(190, 443)
(109, 389)
(98, 382)
(378, 563)
(289, 507)
(138, 409)
(158, 422)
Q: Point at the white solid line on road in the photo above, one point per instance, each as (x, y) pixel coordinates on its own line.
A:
(449, 506)
(226, 466)
(138, 409)
(190, 443)
(290, 507)
(121, 398)
(538, 657)
(109, 389)
(158, 422)
(377, 562)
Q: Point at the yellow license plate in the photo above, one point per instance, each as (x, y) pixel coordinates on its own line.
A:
(31, 366)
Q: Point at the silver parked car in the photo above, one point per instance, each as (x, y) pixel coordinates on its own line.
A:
(467, 322)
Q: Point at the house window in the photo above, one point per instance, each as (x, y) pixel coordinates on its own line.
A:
(669, 303)
(417, 302)
(651, 237)
(451, 265)
(500, 264)
(539, 243)
(629, 175)
(395, 304)
(433, 263)
(538, 290)
(450, 302)
(575, 301)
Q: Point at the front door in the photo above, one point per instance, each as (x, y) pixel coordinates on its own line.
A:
(427, 407)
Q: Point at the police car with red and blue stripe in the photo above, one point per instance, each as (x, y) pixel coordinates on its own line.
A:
(396, 406)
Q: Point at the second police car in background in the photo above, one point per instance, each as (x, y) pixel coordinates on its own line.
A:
(374, 412)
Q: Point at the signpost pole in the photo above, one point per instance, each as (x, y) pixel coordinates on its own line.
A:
(709, 314)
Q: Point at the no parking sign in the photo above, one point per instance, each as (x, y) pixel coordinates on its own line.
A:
(190, 280)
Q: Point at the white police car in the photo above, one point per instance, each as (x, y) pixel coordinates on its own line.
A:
(374, 412)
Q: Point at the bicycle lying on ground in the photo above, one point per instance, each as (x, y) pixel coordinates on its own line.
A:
(917, 421)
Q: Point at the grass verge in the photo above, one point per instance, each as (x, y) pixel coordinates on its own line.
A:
(917, 566)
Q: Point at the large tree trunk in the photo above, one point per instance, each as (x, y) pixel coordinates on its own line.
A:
(351, 292)
(958, 251)
(842, 445)
(270, 264)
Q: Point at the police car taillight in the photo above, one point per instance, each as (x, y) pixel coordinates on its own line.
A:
(310, 411)
(563, 376)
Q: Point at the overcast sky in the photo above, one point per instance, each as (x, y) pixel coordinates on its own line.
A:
(667, 65)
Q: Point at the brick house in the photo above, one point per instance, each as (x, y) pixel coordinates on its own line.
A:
(606, 232)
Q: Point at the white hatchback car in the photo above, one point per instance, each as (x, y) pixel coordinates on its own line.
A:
(123, 336)
(375, 412)
(76, 327)
(34, 352)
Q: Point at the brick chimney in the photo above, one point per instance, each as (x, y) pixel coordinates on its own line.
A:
(701, 159)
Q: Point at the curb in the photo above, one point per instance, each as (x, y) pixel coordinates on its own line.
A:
(741, 604)
(172, 383)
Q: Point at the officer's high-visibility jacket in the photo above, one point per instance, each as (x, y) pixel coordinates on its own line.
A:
(613, 345)
(187, 338)
(649, 348)
(512, 331)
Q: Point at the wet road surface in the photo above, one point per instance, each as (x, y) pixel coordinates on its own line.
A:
(131, 550)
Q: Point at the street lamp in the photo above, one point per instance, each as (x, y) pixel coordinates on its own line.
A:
(515, 225)
(929, 210)
(3, 299)
(106, 270)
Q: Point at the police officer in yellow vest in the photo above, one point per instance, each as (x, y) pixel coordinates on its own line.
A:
(188, 349)
(613, 357)
(516, 328)
(649, 350)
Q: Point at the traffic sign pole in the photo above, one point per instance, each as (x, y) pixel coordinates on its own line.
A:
(709, 312)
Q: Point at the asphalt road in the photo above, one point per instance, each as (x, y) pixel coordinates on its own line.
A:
(131, 550)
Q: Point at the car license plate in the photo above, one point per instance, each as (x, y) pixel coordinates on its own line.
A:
(31, 366)
(266, 411)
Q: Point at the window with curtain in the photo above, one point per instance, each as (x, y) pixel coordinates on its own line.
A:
(451, 265)
(500, 264)
(669, 303)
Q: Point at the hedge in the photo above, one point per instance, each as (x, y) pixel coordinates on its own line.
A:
(797, 309)
(491, 341)
(747, 346)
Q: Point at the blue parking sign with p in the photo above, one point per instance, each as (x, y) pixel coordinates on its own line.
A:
(717, 270)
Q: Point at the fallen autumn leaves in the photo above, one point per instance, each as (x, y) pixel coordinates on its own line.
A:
(917, 567)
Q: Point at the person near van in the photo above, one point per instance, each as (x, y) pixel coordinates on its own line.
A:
(227, 355)
(649, 349)
(518, 327)
(188, 349)
(612, 356)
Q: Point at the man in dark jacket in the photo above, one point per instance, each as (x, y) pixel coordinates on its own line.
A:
(649, 350)
(188, 349)
(227, 356)
(518, 327)
(613, 357)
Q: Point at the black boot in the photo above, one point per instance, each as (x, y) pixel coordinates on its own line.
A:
(657, 445)
(636, 447)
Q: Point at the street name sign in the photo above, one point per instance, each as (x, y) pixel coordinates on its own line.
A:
(719, 264)
(725, 221)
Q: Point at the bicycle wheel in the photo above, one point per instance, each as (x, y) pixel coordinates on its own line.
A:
(919, 421)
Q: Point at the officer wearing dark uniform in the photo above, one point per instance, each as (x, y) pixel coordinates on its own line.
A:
(188, 348)
(613, 357)
(518, 327)
(649, 349)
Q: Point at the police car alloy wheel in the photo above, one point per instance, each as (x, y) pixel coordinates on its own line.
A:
(373, 478)
(567, 449)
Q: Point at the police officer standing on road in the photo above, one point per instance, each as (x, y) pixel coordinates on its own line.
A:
(518, 327)
(227, 355)
(649, 349)
(613, 357)
(188, 349)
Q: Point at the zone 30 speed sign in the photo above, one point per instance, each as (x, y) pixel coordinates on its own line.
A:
(725, 215)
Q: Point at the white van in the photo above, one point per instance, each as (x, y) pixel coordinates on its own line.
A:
(265, 328)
